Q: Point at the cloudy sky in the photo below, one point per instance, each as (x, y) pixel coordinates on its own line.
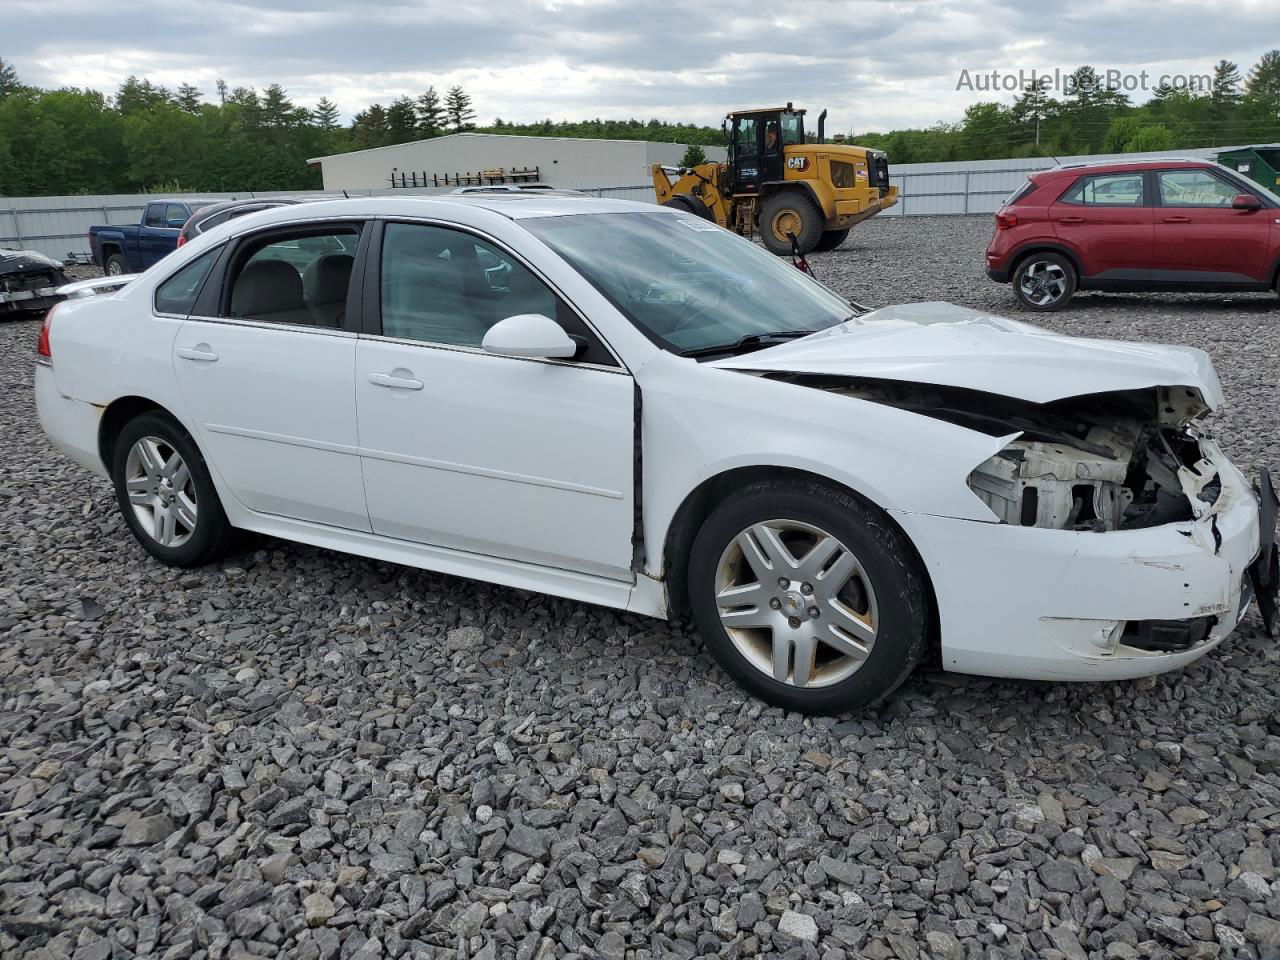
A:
(875, 64)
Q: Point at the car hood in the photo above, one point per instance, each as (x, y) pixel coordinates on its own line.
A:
(941, 343)
(20, 261)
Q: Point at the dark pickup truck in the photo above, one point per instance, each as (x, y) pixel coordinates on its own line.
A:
(131, 248)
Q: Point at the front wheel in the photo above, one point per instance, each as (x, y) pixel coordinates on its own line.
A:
(165, 492)
(1044, 282)
(690, 204)
(808, 597)
(787, 213)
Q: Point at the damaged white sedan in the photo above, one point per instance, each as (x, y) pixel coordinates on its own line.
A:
(632, 407)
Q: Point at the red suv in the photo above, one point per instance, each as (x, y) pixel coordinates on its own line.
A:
(1139, 225)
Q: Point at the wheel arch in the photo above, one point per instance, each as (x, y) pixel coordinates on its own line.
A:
(772, 188)
(703, 499)
(118, 413)
(1034, 247)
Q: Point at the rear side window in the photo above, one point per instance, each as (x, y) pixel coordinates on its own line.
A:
(1107, 190)
(155, 215)
(177, 295)
(299, 279)
(1022, 192)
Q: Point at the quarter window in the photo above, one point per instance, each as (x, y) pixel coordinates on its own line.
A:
(449, 287)
(301, 279)
(1107, 190)
(1194, 188)
(178, 294)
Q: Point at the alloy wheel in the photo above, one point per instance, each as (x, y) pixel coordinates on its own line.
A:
(796, 603)
(1043, 282)
(161, 491)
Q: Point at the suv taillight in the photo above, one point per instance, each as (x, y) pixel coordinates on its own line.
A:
(1006, 220)
(182, 238)
(44, 354)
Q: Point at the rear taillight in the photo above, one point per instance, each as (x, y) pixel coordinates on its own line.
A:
(1006, 220)
(44, 353)
(182, 238)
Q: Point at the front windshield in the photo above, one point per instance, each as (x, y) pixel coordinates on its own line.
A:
(687, 283)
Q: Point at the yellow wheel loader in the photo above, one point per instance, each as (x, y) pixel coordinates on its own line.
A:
(778, 184)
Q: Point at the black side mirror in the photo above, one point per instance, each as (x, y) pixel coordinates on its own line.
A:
(176, 224)
(1246, 201)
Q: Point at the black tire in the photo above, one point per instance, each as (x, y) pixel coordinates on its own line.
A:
(892, 571)
(116, 265)
(690, 204)
(797, 210)
(831, 239)
(212, 534)
(1044, 282)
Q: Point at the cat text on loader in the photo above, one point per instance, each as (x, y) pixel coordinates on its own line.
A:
(779, 184)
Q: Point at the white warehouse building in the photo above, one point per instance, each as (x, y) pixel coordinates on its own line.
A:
(564, 162)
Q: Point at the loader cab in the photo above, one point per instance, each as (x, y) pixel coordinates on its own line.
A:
(757, 139)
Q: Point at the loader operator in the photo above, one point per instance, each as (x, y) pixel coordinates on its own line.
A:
(771, 138)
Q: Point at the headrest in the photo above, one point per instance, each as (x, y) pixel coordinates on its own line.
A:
(266, 286)
(326, 278)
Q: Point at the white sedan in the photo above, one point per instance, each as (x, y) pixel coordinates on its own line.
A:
(629, 406)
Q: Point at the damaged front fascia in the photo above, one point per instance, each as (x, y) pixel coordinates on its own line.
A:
(28, 280)
(1098, 462)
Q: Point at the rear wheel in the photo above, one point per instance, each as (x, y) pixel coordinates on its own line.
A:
(831, 239)
(165, 493)
(790, 212)
(116, 265)
(808, 597)
(1044, 282)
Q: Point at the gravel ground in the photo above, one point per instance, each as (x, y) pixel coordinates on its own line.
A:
(298, 753)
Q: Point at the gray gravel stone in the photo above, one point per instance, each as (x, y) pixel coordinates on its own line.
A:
(799, 925)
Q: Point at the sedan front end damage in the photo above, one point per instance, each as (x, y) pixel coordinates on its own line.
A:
(1122, 542)
(1083, 604)
(28, 281)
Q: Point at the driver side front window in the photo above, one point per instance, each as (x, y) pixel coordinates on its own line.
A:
(449, 287)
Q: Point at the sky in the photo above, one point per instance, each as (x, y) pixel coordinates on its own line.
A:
(874, 64)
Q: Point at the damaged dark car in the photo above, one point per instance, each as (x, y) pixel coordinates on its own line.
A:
(28, 281)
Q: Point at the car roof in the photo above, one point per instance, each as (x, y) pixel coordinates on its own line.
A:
(1101, 166)
(513, 206)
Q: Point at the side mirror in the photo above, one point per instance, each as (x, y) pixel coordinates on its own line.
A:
(176, 223)
(529, 335)
(1246, 201)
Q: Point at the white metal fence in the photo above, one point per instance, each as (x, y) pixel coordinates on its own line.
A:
(58, 226)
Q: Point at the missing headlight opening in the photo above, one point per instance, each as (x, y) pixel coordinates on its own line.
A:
(1112, 461)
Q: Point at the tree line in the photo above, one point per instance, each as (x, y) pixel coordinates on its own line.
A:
(1093, 118)
(146, 137)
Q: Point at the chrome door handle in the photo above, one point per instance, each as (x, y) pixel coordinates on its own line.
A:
(201, 352)
(395, 383)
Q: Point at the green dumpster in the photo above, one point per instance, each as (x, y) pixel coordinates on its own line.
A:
(1257, 163)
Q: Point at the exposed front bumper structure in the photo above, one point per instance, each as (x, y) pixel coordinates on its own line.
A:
(36, 298)
(1079, 605)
